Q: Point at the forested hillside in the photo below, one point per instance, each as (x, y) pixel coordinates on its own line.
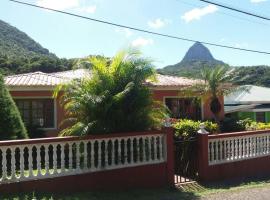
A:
(253, 75)
(20, 54)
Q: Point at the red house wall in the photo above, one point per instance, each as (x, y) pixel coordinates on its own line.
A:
(59, 109)
(158, 95)
(207, 114)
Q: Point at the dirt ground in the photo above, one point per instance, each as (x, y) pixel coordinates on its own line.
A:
(262, 193)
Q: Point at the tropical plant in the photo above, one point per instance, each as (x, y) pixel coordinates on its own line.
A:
(186, 128)
(215, 83)
(11, 124)
(113, 99)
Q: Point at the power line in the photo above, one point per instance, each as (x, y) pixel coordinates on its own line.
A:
(142, 30)
(236, 9)
(224, 13)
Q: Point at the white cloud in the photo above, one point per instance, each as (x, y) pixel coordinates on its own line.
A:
(222, 39)
(88, 9)
(59, 4)
(257, 1)
(241, 45)
(157, 23)
(124, 31)
(140, 42)
(197, 13)
(66, 5)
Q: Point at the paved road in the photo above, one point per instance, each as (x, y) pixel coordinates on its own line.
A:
(245, 194)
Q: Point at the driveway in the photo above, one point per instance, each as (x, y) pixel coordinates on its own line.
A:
(261, 193)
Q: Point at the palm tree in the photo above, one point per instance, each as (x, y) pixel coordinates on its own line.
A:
(215, 83)
(113, 98)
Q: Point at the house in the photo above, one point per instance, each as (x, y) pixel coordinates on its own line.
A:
(249, 102)
(32, 93)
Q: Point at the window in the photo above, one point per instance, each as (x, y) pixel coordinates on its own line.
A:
(181, 108)
(260, 116)
(37, 112)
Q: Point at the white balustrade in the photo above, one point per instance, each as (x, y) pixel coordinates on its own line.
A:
(232, 149)
(42, 160)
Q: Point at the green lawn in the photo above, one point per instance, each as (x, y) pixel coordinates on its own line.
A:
(188, 192)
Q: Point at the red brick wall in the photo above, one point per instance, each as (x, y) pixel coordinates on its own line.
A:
(207, 114)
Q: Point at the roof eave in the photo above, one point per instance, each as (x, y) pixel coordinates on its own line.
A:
(31, 88)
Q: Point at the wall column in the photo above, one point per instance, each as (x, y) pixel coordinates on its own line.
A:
(203, 153)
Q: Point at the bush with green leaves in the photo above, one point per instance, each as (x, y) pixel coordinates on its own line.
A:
(186, 128)
(257, 126)
(11, 124)
(233, 124)
(113, 99)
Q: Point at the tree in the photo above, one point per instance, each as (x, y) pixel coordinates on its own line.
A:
(11, 124)
(113, 99)
(215, 83)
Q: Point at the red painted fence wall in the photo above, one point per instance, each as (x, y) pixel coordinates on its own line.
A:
(249, 165)
(146, 176)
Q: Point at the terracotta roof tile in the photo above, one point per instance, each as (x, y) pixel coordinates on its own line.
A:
(53, 79)
(165, 80)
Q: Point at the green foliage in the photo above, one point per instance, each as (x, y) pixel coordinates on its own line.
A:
(9, 65)
(11, 124)
(14, 43)
(253, 75)
(21, 54)
(248, 75)
(257, 126)
(233, 124)
(188, 128)
(35, 132)
(211, 87)
(114, 99)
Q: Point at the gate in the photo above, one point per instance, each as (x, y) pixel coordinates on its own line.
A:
(186, 160)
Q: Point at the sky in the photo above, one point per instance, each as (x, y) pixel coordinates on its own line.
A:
(70, 37)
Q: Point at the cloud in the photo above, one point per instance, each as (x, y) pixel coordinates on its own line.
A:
(140, 42)
(66, 5)
(59, 4)
(88, 9)
(197, 13)
(157, 23)
(241, 45)
(124, 31)
(257, 1)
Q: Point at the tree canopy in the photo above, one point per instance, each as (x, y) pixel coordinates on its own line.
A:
(11, 124)
(114, 99)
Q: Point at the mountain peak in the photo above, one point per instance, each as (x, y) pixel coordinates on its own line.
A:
(198, 52)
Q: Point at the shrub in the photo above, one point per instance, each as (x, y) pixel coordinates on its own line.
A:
(113, 99)
(35, 132)
(263, 126)
(233, 124)
(258, 126)
(11, 124)
(186, 128)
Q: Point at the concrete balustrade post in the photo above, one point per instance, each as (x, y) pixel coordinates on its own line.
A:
(202, 153)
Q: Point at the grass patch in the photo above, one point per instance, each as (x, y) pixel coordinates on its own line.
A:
(193, 191)
(205, 189)
(149, 194)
